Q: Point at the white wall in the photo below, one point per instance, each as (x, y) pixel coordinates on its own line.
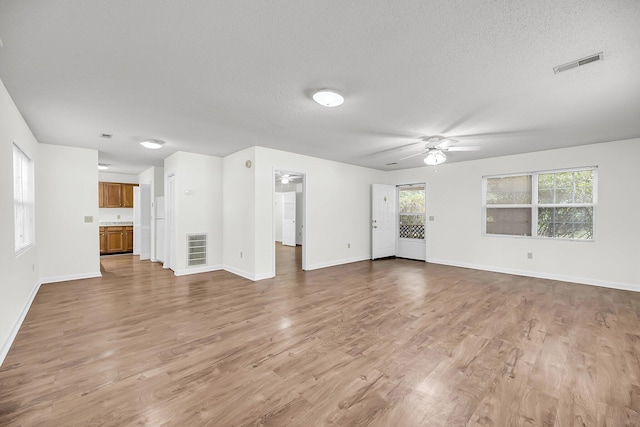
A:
(19, 275)
(199, 211)
(338, 206)
(239, 212)
(66, 192)
(278, 212)
(117, 177)
(115, 214)
(299, 214)
(454, 197)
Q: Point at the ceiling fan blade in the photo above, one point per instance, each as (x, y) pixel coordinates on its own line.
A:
(414, 155)
(444, 144)
(465, 148)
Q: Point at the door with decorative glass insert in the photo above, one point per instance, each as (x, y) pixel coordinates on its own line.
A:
(411, 222)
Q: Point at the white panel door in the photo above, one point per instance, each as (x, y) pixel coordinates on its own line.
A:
(289, 219)
(383, 221)
(136, 220)
(145, 221)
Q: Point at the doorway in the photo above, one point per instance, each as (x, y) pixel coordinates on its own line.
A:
(398, 215)
(411, 241)
(289, 222)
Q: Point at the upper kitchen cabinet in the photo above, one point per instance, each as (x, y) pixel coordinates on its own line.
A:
(115, 195)
(127, 195)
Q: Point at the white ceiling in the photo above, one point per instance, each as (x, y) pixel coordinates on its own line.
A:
(214, 77)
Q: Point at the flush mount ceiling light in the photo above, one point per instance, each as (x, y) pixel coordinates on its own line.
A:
(435, 157)
(328, 98)
(103, 166)
(152, 144)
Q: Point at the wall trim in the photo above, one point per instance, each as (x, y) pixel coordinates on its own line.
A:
(54, 279)
(338, 262)
(538, 275)
(4, 350)
(196, 270)
(247, 275)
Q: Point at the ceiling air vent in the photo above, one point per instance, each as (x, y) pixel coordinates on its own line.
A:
(196, 249)
(579, 62)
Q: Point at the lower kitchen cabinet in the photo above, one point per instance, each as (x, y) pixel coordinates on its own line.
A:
(128, 239)
(116, 240)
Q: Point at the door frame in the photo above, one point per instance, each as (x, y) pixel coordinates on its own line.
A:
(170, 212)
(426, 217)
(305, 241)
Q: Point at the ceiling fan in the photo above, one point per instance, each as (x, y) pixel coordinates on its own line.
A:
(435, 148)
(286, 178)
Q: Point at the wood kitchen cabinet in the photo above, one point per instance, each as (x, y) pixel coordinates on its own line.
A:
(128, 239)
(116, 239)
(115, 195)
(127, 195)
(103, 240)
(101, 194)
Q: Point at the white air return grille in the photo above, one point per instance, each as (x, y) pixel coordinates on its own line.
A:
(578, 63)
(196, 250)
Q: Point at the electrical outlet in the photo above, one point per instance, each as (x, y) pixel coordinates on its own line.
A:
(432, 218)
(348, 245)
(88, 218)
(118, 216)
(240, 254)
(530, 255)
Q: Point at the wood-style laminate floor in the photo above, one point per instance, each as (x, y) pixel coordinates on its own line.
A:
(386, 343)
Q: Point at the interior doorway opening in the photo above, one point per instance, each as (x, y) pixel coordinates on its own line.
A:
(289, 222)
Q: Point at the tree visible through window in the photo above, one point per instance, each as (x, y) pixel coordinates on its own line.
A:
(557, 204)
(411, 209)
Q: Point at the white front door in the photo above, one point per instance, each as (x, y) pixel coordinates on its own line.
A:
(383, 221)
(289, 219)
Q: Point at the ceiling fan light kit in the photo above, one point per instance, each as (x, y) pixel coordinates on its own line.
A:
(328, 98)
(435, 157)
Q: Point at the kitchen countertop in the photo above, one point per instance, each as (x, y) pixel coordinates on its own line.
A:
(116, 223)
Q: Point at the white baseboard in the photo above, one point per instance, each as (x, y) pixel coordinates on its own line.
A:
(66, 278)
(338, 262)
(4, 350)
(539, 275)
(247, 275)
(196, 270)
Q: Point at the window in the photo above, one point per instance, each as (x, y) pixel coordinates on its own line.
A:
(551, 204)
(411, 201)
(23, 198)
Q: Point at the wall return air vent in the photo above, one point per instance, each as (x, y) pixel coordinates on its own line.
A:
(579, 62)
(196, 250)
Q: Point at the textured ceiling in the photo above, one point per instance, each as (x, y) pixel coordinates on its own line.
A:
(215, 77)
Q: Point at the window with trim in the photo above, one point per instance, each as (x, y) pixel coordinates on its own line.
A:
(411, 212)
(550, 204)
(23, 200)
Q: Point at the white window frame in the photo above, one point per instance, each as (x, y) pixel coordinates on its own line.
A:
(424, 214)
(535, 205)
(23, 200)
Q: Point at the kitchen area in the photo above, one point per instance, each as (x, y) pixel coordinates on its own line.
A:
(116, 203)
